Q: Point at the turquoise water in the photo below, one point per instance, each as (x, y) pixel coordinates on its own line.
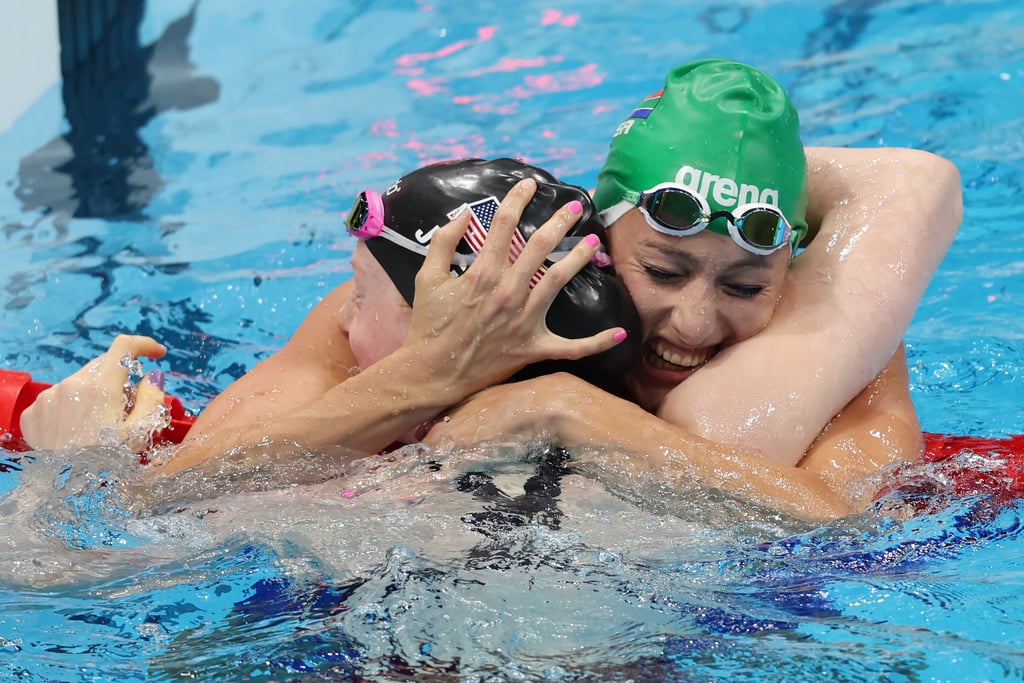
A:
(208, 215)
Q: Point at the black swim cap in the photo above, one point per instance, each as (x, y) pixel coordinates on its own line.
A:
(594, 300)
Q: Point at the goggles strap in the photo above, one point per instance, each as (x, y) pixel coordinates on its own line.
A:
(464, 260)
(616, 211)
(632, 197)
(461, 260)
(458, 259)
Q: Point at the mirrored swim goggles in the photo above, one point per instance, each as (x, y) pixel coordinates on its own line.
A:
(678, 211)
(366, 221)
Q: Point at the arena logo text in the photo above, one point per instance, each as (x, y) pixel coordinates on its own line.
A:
(725, 192)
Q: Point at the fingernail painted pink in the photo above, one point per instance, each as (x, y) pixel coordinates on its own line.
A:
(575, 207)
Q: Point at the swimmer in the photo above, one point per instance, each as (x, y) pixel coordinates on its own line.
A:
(867, 207)
(402, 340)
(766, 370)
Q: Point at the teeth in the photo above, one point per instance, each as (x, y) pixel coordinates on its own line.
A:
(688, 360)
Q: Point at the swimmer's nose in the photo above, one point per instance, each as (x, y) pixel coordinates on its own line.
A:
(345, 316)
(694, 317)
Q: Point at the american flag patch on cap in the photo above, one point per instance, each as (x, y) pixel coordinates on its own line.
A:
(482, 215)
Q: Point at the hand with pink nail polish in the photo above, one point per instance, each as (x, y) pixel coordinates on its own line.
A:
(496, 313)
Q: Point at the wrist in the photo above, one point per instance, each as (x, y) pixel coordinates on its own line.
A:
(422, 380)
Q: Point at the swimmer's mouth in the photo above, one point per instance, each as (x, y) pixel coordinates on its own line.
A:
(666, 358)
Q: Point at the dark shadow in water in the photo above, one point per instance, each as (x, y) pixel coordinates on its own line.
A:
(845, 23)
(101, 167)
(112, 87)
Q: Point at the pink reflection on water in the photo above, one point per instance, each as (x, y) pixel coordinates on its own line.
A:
(549, 154)
(513, 64)
(450, 148)
(556, 16)
(427, 86)
(385, 127)
(586, 76)
(372, 159)
(483, 34)
(504, 109)
(507, 103)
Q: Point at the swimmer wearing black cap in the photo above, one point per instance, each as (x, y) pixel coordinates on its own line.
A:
(366, 368)
(863, 227)
(398, 225)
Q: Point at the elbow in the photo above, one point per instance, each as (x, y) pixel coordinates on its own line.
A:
(939, 180)
(944, 175)
(949, 177)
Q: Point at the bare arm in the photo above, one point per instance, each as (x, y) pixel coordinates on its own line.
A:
(877, 429)
(466, 333)
(887, 218)
(625, 441)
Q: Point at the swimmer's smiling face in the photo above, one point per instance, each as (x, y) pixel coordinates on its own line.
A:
(696, 295)
(376, 318)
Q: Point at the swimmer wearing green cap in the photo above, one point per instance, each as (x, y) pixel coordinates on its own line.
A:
(705, 193)
(744, 422)
(774, 284)
(717, 148)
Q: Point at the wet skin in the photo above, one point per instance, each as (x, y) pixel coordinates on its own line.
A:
(696, 295)
(375, 318)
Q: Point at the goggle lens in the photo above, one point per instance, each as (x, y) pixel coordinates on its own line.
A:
(366, 219)
(357, 216)
(762, 228)
(676, 210)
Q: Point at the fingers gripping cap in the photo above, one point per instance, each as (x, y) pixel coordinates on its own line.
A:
(720, 128)
(594, 300)
(427, 198)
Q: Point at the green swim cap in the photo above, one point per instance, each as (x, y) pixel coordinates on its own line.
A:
(723, 129)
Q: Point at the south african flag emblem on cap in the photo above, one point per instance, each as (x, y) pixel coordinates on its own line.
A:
(647, 106)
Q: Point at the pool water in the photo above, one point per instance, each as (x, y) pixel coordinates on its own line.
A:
(195, 194)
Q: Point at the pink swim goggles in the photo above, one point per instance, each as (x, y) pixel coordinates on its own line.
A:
(366, 221)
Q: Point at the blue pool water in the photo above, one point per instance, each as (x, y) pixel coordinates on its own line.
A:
(199, 199)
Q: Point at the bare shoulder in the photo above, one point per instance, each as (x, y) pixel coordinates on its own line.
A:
(317, 355)
(878, 428)
(320, 339)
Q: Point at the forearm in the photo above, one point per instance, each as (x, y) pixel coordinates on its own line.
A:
(876, 430)
(887, 218)
(620, 439)
(362, 414)
(624, 440)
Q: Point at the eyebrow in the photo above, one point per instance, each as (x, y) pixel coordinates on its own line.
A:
(754, 261)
